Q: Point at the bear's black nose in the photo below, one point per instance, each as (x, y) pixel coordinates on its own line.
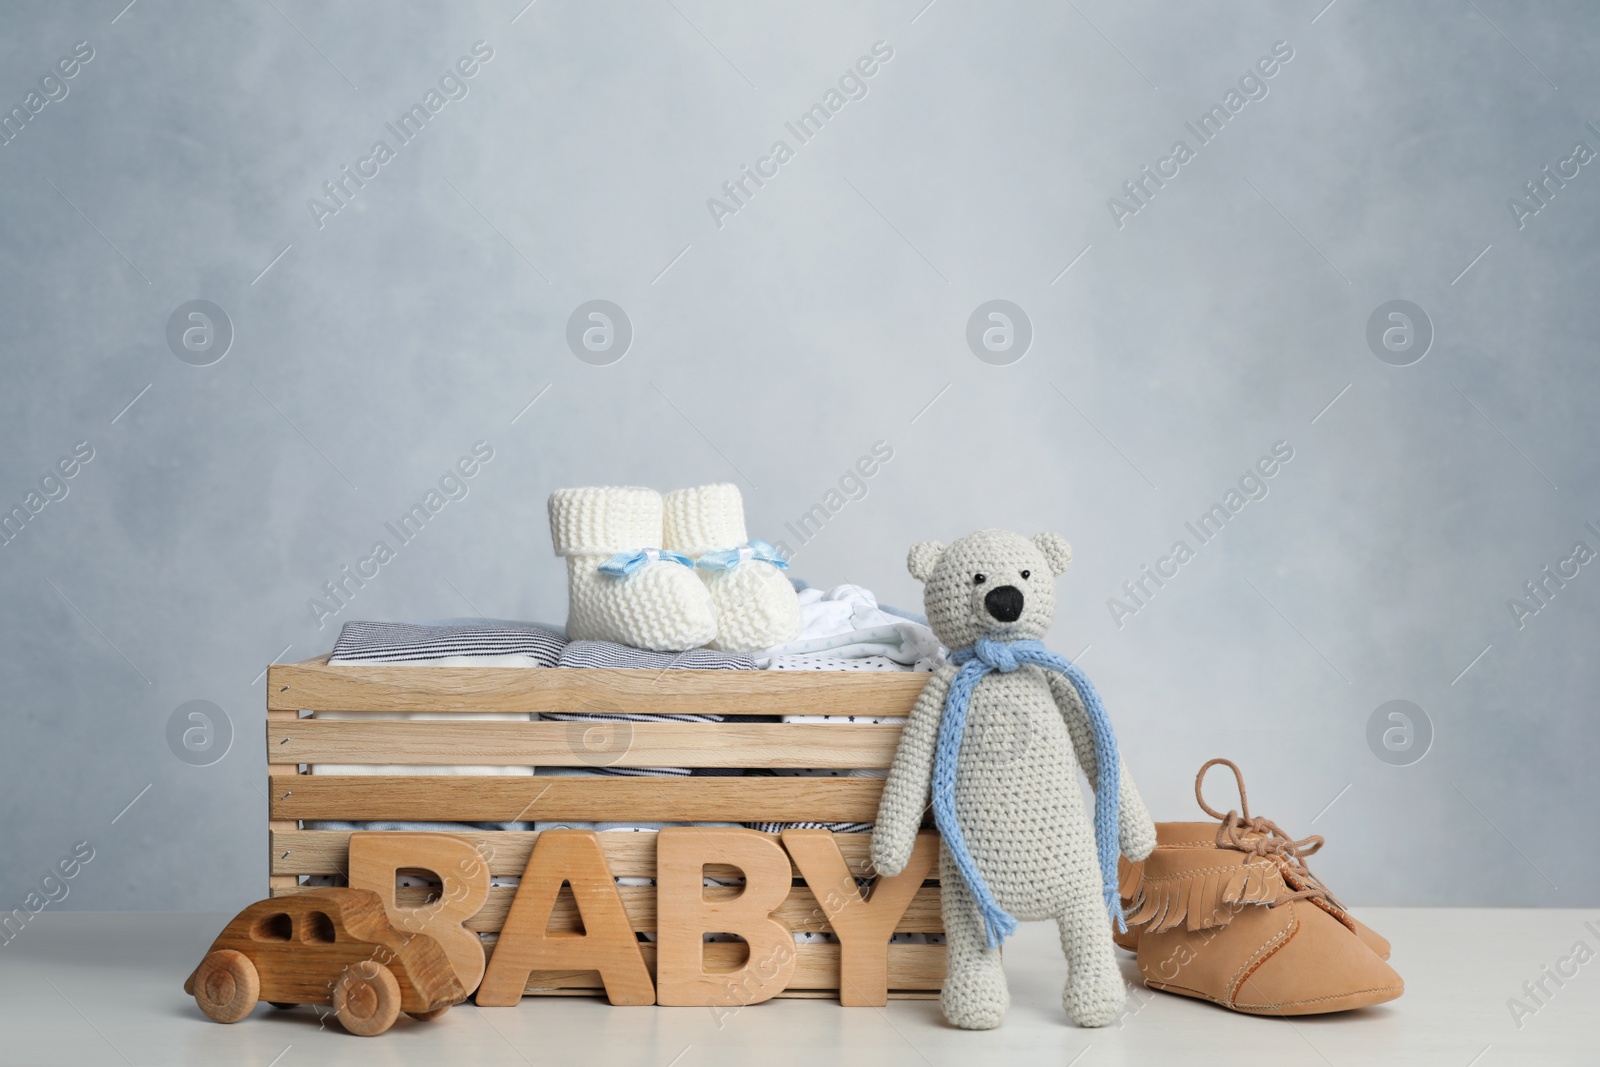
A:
(1004, 603)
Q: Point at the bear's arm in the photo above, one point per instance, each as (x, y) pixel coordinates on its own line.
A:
(905, 791)
(1135, 831)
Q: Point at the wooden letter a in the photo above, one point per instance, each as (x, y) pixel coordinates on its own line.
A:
(607, 944)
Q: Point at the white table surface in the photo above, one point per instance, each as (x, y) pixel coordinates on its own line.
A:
(84, 988)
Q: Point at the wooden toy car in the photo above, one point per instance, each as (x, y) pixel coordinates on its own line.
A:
(327, 946)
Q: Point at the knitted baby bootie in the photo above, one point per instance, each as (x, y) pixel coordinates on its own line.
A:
(756, 605)
(621, 584)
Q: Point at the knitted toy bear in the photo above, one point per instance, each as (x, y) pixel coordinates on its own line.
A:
(996, 734)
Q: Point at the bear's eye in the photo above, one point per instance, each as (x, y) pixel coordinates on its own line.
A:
(1026, 573)
(977, 579)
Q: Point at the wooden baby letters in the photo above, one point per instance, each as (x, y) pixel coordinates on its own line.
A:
(607, 943)
(862, 926)
(685, 913)
(685, 910)
(375, 858)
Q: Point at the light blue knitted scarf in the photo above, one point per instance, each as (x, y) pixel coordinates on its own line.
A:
(1007, 656)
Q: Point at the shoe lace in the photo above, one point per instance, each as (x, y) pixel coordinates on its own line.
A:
(1264, 839)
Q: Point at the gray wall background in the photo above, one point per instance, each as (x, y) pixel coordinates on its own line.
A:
(828, 313)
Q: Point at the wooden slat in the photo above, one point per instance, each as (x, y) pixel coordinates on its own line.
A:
(801, 910)
(630, 855)
(585, 744)
(498, 798)
(276, 772)
(912, 968)
(317, 686)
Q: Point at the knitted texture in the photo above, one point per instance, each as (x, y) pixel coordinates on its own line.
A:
(661, 605)
(703, 518)
(605, 519)
(1005, 657)
(756, 605)
(1014, 795)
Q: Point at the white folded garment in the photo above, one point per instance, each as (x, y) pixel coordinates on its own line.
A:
(846, 622)
(832, 661)
(845, 629)
(840, 610)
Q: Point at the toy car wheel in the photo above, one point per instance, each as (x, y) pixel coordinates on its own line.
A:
(366, 998)
(428, 1016)
(226, 985)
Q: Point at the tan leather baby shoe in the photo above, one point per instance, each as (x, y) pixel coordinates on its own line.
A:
(1229, 912)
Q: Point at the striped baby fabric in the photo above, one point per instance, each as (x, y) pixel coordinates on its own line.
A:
(391, 642)
(835, 827)
(394, 642)
(609, 654)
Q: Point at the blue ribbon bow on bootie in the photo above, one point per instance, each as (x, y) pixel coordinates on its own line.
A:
(1007, 656)
(625, 563)
(726, 559)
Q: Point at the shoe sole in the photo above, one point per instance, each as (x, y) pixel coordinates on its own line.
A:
(1131, 944)
(1361, 998)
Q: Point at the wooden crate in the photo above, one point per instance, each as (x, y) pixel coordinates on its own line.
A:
(295, 741)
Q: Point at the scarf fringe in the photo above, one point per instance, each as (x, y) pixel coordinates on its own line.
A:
(997, 924)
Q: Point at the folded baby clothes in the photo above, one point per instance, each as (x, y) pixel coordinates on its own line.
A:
(467, 644)
(484, 644)
(836, 827)
(610, 654)
(831, 661)
(458, 643)
(876, 720)
(625, 827)
(842, 609)
(846, 629)
(847, 622)
(860, 772)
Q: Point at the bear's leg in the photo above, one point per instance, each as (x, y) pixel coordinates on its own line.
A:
(1095, 994)
(975, 996)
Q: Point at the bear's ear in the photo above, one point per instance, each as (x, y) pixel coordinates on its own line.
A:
(1055, 550)
(922, 558)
